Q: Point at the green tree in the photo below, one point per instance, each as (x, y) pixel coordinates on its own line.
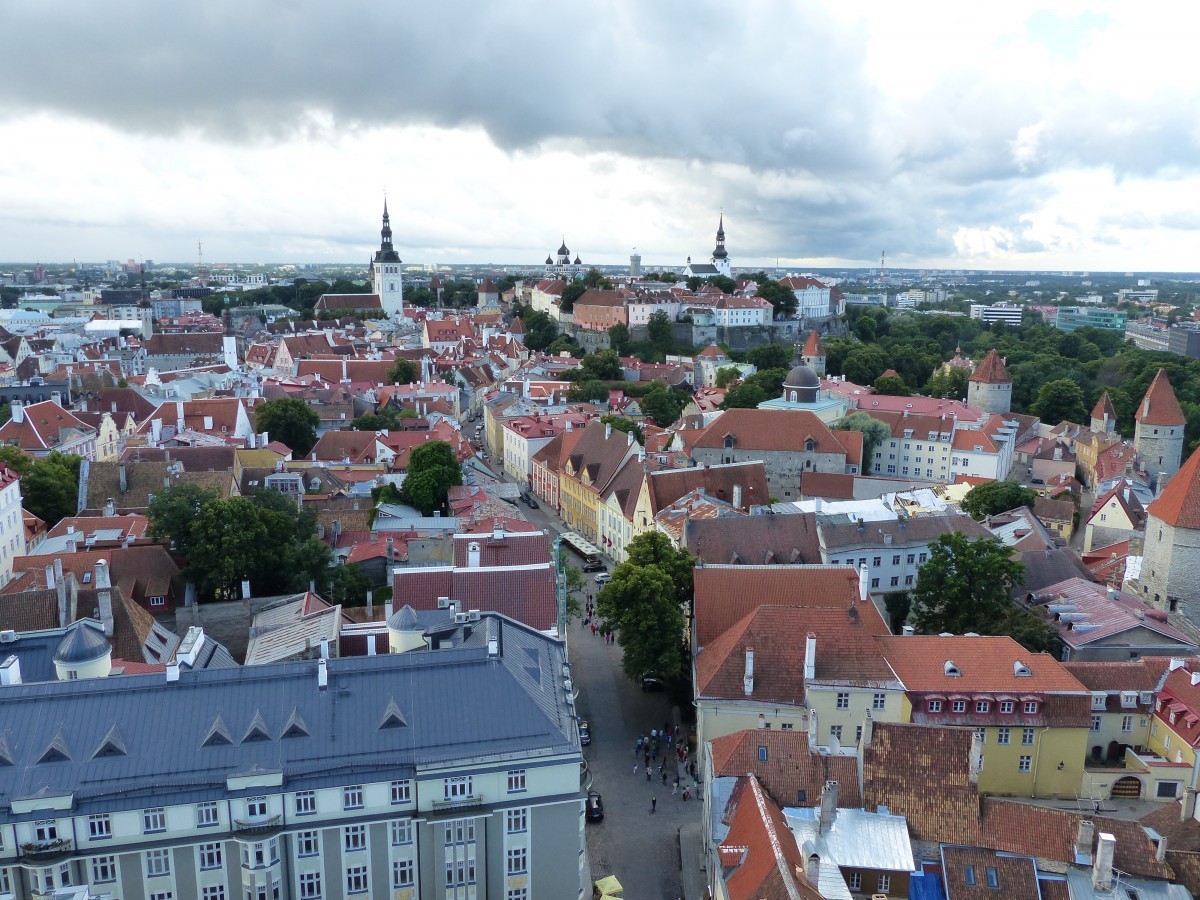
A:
(432, 470)
(603, 365)
(874, 434)
(591, 390)
(570, 294)
(663, 405)
(949, 384)
(993, 497)
(865, 329)
(727, 374)
(402, 371)
(627, 426)
(891, 386)
(594, 279)
(659, 332)
(781, 298)
(654, 549)
(619, 338)
(226, 540)
(770, 356)
(964, 585)
(864, 364)
(17, 460)
(348, 586)
(743, 396)
(173, 514)
(50, 489)
(769, 380)
(1059, 400)
(576, 585)
(290, 420)
(898, 605)
(540, 330)
(639, 605)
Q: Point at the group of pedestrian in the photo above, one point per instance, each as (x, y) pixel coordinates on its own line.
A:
(589, 613)
(647, 751)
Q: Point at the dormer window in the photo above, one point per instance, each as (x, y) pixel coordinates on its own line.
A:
(729, 442)
(935, 706)
(1099, 701)
(958, 706)
(951, 669)
(1128, 699)
(1021, 670)
(1031, 707)
(809, 445)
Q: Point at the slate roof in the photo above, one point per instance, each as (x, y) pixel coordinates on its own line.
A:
(724, 595)
(1159, 406)
(524, 593)
(1179, 503)
(718, 481)
(790, 768)
(991, 370)
(517, 708)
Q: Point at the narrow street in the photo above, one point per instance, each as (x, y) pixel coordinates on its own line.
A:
(640, 847)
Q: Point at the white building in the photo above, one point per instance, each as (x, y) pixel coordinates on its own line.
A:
(387, 281)
(812, 296)
(997, 312)
(12, 522)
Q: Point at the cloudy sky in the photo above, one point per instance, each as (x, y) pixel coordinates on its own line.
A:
(1060, 135)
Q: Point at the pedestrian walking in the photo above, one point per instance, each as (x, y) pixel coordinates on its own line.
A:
(646, 759)
(668, 740)
(653, 802)
(635, 767)
(653, 733)
(593, 629)
(675, 788)
(647, 773)
(664, 779)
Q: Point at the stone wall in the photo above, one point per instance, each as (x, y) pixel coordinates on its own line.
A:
(783, 468)
(1171, 569)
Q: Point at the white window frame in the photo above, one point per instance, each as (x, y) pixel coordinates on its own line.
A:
(212, 855)
(457, 787)
(104, 870)
(308, 843)
(306, 803)
(352, 797)
(1024, 763)
(207, 814)
(516, 781)
(402, 791)
(100, 827)
(403, 873)
(158, 863)
(310, 885)
(518, 861)
(516, 821)
(154, 820)
(354, 837)
(358, 880)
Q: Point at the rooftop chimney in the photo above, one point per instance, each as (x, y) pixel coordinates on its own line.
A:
(737, 496)
(864, 583)
(173, 671)
(812, 868)
(110, 508)
(18, 411)
(104, 596)
(122, 478)
(1187, 806)
(1084, 837)
(1102, 869)
(322, 673)
(748, 677)
(473, 555)
(810, 657)
(975, 765)
(829, 803)
(388, 609)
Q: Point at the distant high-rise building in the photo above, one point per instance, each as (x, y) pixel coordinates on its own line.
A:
(386, 280)
(635, 265)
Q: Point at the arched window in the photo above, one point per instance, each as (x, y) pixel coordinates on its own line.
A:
(810, 445)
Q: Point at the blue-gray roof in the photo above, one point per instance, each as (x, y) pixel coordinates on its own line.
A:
(83, 643)
(458, 706)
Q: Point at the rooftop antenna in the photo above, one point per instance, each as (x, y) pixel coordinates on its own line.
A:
(201, 271)
(882, 260)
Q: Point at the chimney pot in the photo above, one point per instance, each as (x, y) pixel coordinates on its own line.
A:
(1102, 869)
(748, 677)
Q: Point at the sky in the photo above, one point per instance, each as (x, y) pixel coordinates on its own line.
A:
(992, 135)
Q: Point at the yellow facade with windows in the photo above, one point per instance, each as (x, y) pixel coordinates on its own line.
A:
(1021, 761)
(580, 503)
(1168, 743)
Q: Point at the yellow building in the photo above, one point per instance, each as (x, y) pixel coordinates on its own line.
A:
(587, 473)
(1032, 715)
(1175, 727)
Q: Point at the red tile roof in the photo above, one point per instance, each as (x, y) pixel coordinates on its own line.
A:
(776, 429)
(516, 549)
(1104, 408)
(1015, 876)
(766, 861)
(1159, 406)
(1179, 503)
(813, 345)
(790, 767)
(991, 370)
(983, 663)
(724, 595)
(524, 593)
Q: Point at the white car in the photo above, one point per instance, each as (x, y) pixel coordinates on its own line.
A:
(603, 578)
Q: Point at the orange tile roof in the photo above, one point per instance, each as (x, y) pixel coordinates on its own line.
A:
(1179, 503)
(1104, 408)
(724, 595)
(813, 345)
(767, 861)
(776, 429)
(791, 766)
(1159, 406)
(991, 370)
(985, 664)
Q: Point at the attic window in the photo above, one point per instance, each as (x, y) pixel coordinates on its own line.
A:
(392, 718)
(762, 754)
(112, 745)
(951, 669)
(295, 726)
(218, 734)
(1021, 670)
(56, 752)
(257, 731)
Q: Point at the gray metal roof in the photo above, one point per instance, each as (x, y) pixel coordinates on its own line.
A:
(459, 706)
(83, 643)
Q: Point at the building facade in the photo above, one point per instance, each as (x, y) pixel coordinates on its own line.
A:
(319, 779)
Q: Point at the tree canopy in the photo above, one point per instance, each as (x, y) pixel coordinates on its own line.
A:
(645, 605)
(1059, 400)
(50, 486)
(993, 497)
(403, 371)
(771, 356)
(965, 586)
(743, 396)
(874, 434)
(663, 405)
(432, 470)
(290, 420)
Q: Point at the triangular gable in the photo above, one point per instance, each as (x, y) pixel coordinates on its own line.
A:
(56, 751)
(111, 745)
(257, 730)
(295, 726)
(218, 733)
(392, 717)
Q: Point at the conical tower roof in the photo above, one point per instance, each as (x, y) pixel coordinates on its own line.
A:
(991, 370)
(1179, 503)
(1159, 406)
(1104, 408)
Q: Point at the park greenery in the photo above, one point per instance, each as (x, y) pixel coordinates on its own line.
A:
(262, 537)
(646, 604)
(49, 485)
(994, 497)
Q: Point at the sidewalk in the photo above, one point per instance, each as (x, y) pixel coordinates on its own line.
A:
(691, 860)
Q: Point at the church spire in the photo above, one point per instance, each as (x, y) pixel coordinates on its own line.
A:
(385, 233)
(720, 252)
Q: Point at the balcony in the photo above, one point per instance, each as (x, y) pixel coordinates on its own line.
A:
(471, 800)
(47, 851)
(258, 827)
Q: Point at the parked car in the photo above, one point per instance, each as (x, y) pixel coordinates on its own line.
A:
(595, 807)
(603, 578)
(533, 504)
(585, 732)
(593, 565)
(652, 682)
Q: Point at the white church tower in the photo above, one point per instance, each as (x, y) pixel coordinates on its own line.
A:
(386, 280)
(720, 257)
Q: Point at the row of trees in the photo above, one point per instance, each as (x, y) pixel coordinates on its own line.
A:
(49, 485)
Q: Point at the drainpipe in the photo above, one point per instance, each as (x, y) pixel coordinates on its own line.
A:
(1037, 758)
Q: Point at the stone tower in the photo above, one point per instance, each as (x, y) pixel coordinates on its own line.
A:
(1170, 574)
(1104, 418)
(1158, 430)
(386, 280)
(813, 354)
(990, 387)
